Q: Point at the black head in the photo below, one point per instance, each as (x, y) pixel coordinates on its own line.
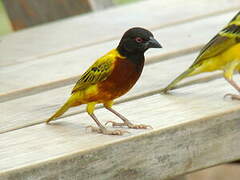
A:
(137, 40)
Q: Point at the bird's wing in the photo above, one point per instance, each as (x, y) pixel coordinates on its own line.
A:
(235, 18)
(225, 39)
(98, 72)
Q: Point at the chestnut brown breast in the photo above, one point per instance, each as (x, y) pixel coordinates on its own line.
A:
(123, 77)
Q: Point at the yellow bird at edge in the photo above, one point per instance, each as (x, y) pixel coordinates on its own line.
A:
(220, 53)
(110, 77)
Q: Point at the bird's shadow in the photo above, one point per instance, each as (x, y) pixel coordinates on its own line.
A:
(66, 127)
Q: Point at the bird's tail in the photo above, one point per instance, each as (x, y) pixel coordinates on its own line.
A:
(62, 110)
(188, 72)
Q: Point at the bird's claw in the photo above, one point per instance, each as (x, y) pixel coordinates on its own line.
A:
(139, 126)
(232, 96)
(164, 91)
(105, 131)
(114, 123)
(130, 125)
(47, 122)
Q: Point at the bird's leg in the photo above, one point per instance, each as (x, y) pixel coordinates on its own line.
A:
(126, 122)
(234, 84)
(100, 129)
(228, 73)
(233, 96)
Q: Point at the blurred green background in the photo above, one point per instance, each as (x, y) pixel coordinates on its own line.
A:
(5, 26)
(123, 1)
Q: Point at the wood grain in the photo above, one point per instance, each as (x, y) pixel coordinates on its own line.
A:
(194, 128)
(222, 172)
(81, 31)
(36, 108)
(178, 178)
(62, 69)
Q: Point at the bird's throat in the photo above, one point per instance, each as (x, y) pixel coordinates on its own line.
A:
(136, 58)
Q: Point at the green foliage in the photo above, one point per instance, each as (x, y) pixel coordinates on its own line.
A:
(123, 1)
(5, 26)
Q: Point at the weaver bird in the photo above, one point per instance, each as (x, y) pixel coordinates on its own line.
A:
(110, 77)
(222, 52)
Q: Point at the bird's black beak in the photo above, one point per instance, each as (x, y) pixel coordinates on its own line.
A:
(153, 43)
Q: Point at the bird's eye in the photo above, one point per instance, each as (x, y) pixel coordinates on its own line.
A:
(138, 40)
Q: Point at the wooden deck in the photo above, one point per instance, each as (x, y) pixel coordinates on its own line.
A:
(193, 127)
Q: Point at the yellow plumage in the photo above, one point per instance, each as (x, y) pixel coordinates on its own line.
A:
(86, 86)
(110, 77)
(104, 66)
(221, 53)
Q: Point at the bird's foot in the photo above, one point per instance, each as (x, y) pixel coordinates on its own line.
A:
(129, 124)
(105, 131)
(232, 96)
(48, 121)
(164, 91)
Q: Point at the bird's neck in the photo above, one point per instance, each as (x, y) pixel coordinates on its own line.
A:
(135, 57)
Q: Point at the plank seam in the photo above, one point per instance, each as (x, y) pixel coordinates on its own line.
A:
(71, 80)
(117, 37)
(132, 98)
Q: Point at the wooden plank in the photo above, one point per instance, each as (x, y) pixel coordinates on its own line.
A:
(81, 31)
(203, 131)
(178, 178)
(27, 13)
(69, 65)
(35, 109)
(223, 172)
